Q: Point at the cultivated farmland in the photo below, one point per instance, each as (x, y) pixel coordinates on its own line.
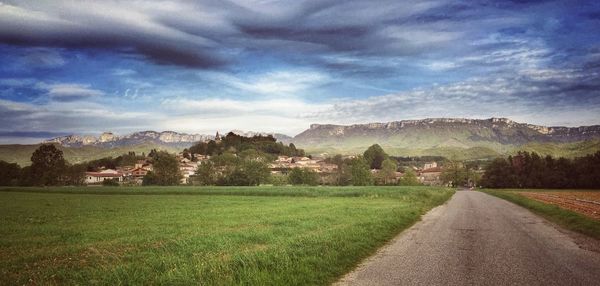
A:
(183, 235)
(574, 210)
(586, 203)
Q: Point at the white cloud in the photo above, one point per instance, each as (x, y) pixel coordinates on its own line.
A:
(440, 65)
(69, 92)
(524, 95)
(270, 115)
(72, 117)
(277, 83)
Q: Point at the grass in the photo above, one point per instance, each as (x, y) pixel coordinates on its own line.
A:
(565, 218)
(211, 236)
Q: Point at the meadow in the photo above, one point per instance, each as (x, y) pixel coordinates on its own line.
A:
(208, 236)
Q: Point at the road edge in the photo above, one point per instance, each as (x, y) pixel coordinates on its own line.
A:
(430, 215)
(561, 219)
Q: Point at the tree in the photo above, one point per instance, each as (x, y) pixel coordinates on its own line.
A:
(206, 174)
(375, 156)
(278, 179)
(256, 171)
(186, 154)
(342, 176)
(153, 154)
(454, 173)
(409, 178)
(149, 179)
(47, 166)
(75, 174)
(110, 183)
(248, 168)
(166, 170)
(499, 174)
(388, 171)
(235, 143)
(360, 173)
(303, 176)
(9, 174)
(25, 177)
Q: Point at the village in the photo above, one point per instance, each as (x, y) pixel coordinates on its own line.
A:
(429, 174)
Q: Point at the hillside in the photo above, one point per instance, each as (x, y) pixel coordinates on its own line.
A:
(21, 154)
(457, 137)
(110, 140)
(166, 138)
(448, 137)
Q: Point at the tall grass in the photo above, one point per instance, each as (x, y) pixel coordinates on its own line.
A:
(209, 236)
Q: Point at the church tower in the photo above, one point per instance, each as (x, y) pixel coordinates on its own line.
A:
(218, 137)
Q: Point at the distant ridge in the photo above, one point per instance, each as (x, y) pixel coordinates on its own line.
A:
(449, 137)
(166, 138)
(496, 135)
(110, 140)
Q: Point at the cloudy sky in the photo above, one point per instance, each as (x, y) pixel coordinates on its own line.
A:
(199, 66)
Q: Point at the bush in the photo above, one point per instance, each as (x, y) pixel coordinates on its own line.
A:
(303, 176)
(361, 175)
(166, 170)
(278, 179)
(110, 183)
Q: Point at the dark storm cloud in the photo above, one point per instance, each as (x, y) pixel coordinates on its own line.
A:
(104, 25)
(335, 38)
(209, 34)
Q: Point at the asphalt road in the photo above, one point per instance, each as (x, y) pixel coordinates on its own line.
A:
(478, 239)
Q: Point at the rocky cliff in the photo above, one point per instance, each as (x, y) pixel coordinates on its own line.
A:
(497, 134)
(108, 139)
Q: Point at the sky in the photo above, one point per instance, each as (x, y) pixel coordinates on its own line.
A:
(85, 67)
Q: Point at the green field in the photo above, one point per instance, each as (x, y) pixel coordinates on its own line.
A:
(209, 236)
(566, 218)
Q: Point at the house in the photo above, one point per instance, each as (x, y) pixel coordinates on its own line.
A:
(200, 157)
(187, 170)
(99, 177)
(431, 176)
(284, 164)
(430, 165)
(138, 172)
(136, 175)
(394, 180)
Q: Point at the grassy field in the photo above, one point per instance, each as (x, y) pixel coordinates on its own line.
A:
(566, 218)
(210, 236)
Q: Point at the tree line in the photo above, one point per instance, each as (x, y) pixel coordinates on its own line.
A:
(235, 161)
(236, 143)
(244, 161)
(48, 168)
(530, 170)
(356, 171)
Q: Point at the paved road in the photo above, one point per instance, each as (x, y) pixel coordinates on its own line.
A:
(477, 239)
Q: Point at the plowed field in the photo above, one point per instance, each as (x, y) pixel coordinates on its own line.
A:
(584, 202)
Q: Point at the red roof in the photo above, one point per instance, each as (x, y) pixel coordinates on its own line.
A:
(98, 174)
(432, 170)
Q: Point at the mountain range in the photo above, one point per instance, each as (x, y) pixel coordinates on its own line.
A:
(449, 137)
(166, 138)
